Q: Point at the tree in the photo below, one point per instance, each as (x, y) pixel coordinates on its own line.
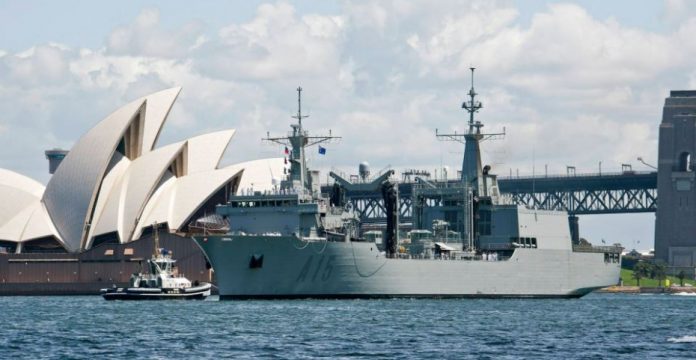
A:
(641, 270)
(681, 277)
(659, 270)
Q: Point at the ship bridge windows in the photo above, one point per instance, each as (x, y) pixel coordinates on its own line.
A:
(524, 242)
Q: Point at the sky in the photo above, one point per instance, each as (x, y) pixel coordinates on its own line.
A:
(572, 83)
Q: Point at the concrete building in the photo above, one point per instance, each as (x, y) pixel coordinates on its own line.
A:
(675, 227)
(115, 183)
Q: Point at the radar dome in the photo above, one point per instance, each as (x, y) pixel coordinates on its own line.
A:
(364, 170)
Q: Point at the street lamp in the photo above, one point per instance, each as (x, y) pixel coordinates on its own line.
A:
(646, 164)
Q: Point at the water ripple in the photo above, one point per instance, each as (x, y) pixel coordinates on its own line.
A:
(597, 326)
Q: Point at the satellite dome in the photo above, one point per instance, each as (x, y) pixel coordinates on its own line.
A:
(364, 170)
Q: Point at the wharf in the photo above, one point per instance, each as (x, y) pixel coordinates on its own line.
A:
(647, 290)
(102, 266)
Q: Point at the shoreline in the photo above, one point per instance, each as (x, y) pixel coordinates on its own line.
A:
(647, 290)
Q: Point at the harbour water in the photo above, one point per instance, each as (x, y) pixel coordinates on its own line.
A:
(597, 326)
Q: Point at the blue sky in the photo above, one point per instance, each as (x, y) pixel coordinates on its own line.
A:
(35, 22)
(573, 83)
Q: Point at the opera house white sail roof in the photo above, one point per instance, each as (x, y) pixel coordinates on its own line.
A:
(116, 181)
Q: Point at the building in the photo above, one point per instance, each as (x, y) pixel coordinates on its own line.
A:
(675, 227)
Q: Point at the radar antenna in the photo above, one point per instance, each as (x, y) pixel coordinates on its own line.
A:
(299, 115)
(472, 107)
(295, 144)
(472, 170)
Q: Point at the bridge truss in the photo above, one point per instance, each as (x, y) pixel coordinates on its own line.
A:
(588, 194)
(627, 192)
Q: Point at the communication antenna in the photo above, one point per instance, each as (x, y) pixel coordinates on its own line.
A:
(472, 107)
(299, 115)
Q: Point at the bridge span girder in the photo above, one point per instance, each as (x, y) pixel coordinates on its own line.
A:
(630, 192)
(592, 201)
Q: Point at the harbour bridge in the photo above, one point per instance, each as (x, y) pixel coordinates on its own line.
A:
(582, 194)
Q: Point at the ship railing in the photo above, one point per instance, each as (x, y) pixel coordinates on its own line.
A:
(597, 249)
(440, 185)
(250, 192)
(449, 257)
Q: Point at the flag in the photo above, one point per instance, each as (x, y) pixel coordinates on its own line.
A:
(286, 150)
(322, 150)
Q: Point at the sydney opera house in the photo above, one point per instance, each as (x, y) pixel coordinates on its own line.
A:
(91, 225)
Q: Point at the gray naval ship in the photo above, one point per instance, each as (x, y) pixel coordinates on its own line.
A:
(293, 242)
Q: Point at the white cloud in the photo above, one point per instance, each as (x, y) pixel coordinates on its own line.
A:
(677, 11)
(564, 47)
(145, 37)
(569, 88)
(37, 66)
(276, 43)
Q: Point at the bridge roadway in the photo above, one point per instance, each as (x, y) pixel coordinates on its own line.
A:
(582, 194)
(613, 193)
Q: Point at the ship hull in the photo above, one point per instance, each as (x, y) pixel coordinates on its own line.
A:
(277, 267)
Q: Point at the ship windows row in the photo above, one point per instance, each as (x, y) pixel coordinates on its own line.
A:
(267, 203)
(524, 242)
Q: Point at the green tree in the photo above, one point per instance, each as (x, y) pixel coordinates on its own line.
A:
(641, 270)
(659, 270)
(681, 277)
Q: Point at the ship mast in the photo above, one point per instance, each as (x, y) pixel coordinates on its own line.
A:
(472, 171)
(472, 106)
(297, 141)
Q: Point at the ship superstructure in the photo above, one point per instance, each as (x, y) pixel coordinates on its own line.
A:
(469, 241)
(295, 207)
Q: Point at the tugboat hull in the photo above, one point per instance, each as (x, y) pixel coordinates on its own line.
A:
(192, 293)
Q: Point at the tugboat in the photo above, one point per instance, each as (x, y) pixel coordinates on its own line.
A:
(162, 281)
